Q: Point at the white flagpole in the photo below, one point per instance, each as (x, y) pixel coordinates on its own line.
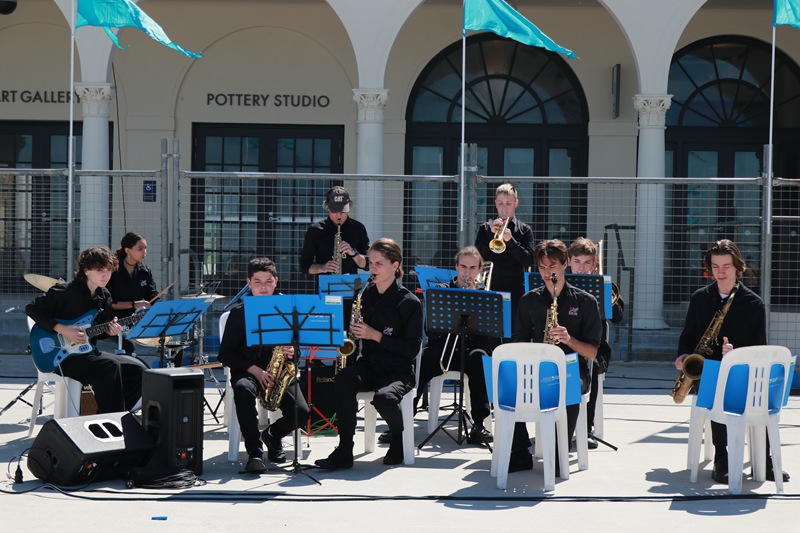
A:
(463, 115)
(771, 107)
(70, 144)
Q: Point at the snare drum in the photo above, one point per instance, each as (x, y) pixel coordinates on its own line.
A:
(155, 342)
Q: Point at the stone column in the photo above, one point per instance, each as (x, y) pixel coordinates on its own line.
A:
(369, 158)
(648, 304)
(94, 190)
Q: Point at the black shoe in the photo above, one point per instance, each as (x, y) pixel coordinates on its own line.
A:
(520, 461)
(771, 475)
(385, 437)
(339, 459)
(395, 454)
(479, 436)
(274, 447)
(720, 474)
(255, 465)
(592, 444)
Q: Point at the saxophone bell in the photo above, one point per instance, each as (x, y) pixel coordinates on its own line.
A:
(692, 370)
(284, 371)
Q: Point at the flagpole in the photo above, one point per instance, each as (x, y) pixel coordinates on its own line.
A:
(70, 145)
(771, 108)
(463, 215)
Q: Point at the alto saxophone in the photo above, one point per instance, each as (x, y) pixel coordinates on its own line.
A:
(284, 371)
(337, 255)
(552, 316)
(346, 351)
(693, 364)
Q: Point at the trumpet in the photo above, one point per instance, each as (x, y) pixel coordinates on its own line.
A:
(497, 244)
(482, 283)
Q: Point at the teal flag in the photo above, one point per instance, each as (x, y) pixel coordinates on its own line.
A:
(109, 14)
(787, 12)
(498, 17)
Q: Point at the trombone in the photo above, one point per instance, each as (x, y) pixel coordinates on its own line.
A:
(482, 283)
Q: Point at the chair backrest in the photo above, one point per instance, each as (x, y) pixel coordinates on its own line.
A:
(31, 323)
(528, 358)
(223, 319)
(752, 380)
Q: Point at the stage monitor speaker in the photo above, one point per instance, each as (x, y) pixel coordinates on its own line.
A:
(84, 449)
(172, 407)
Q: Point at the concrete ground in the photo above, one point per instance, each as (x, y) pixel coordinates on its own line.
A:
(642, 486)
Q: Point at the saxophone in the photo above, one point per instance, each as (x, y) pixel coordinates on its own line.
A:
(284, 371)
(552, 316)
(346, 351)
(693, 364)
(337, 255)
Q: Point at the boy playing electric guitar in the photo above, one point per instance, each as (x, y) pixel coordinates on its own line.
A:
(115, 379)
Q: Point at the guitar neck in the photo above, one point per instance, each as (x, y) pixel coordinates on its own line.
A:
(103, 328)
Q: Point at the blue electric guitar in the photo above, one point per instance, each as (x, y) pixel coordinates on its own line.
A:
(49, 348)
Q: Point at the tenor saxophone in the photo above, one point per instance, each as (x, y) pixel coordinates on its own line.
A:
(284, 371)
(693, 364)
(344, 353)
(552, 316)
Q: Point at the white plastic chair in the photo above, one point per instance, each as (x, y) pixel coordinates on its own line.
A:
(407, 410)
(599, 412)
(757, 413)
(234, 431)
(67, 393)
(435, 396)
(551, 422)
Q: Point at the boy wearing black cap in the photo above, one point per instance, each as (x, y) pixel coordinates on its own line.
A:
(317, 255)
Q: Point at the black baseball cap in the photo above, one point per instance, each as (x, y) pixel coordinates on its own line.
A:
(338, 200)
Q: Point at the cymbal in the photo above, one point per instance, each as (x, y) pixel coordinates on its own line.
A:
(204, 295)
(43, 283)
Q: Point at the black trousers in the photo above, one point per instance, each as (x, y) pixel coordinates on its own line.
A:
(115, 379)
(389, 392)
(245, 391)
(473, 368)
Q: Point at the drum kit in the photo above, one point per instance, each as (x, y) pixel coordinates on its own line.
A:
(174, 345)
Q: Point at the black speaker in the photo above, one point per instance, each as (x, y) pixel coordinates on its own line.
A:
(83, 449)
(321, 396)
(172, 406)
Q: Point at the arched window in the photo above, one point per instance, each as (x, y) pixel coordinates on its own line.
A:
(724, 83)
(528, 115)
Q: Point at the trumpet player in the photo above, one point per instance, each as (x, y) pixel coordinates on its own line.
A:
(318, 254)
(442, 352)
(578, 330)
(508, 243)
(250, 377)
(744, 325)
(584, 259)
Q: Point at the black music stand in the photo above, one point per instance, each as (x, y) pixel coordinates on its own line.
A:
(465, 312)
(169, 318)
(303, 320)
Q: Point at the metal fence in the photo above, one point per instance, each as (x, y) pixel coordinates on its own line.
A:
(203, 227)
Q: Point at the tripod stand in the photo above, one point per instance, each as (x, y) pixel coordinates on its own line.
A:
(465, 312)
(298, 318)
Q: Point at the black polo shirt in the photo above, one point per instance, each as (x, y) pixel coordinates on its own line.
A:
(126, 287)
(68, 302)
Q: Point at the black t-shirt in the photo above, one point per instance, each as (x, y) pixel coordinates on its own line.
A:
(510, 266)
(577, 311)
(126, 287)
(318, 244)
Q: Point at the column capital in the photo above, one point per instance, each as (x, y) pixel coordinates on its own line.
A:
(371, 103)
(95, 98)
(652, 109)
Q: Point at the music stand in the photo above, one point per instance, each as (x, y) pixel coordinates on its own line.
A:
(169, 318)
(466, 312)
(431, 276)
(300, 320)
(344, 285)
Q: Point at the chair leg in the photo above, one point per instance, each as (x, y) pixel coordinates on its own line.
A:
(563, 447)
(37, 402)
(757, 444)
(370, 420)
(434, 401)
(697, 425)
(598, 407)
(708, 443)
(775, 447)
(582, 435)
(736, 431)
(502, 445)
(407, 408)
(548, 432)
